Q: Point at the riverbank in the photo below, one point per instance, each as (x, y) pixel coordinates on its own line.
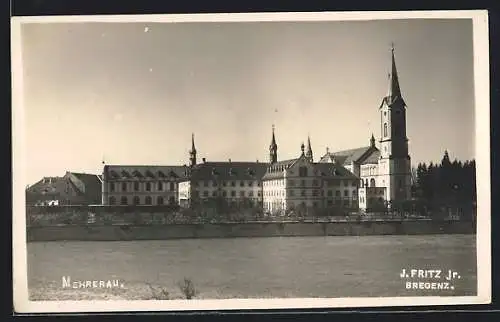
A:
(120, 232)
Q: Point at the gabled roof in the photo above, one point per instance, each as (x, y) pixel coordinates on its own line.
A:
(346, 157)
(333, 170)
(323, 169)
(226, 171)
(143, 171)
(50, 186)
(276, 169)
(371, 158)
(92, 183)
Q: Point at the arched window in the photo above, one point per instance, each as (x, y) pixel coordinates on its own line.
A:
(372, 182)
(148, 200)
(160, 186)
(137, 200)
(366, 183)
(124, 200)
(159, 200)
(112, 200)
(385, 129)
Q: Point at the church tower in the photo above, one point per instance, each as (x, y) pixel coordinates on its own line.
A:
(309, 152)
(273, 150)
(394, 163)
(192, 152)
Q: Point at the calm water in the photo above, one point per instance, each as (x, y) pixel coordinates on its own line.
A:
(256, 267)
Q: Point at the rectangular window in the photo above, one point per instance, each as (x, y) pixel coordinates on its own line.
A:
(136, 186)
(233, 193)
(242, 193)
(160, 186)
(124, 186)
(250, 194)
(250, 183)
(214, 183)
(242, 183)
(205, 183)
(205, 193)
(346, 193)
(112, 187)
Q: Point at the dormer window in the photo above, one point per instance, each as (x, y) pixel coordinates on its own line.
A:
(150, 174)
(137, 174)
(214, 172)
(161, 174)
(125, 174)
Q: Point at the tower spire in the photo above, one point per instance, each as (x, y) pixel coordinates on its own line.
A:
(273, 148)
(192, 153)
(372, 141)
(394, 91)
(309, 153)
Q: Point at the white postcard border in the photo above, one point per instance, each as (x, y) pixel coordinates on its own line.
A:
(482, 128)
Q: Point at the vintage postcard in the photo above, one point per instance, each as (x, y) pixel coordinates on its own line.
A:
(250, 161)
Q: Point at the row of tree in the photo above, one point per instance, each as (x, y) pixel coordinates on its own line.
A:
(449, 184)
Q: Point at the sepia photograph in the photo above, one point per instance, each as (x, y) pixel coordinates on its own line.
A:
(250, 161)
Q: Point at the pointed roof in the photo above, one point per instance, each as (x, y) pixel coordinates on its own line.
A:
(273, 140)
(394, 90)
(193, 148)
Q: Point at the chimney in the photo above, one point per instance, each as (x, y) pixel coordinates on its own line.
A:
(229, 160)
(204, 160)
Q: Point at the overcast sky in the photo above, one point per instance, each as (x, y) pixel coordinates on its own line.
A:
(134, 92)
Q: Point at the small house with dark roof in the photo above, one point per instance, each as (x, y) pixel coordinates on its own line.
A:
(71, 189)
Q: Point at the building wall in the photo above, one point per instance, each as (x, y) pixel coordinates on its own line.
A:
(140, 192)
(369, 174)
(295, 188)
(233, 191)
(372, 197)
